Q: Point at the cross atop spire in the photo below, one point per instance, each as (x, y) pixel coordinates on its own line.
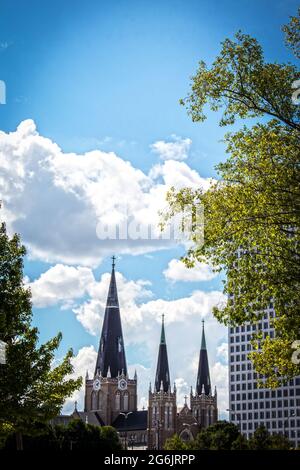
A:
(113, 261)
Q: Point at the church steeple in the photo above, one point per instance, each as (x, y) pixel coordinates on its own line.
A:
(111, 358)
(162, 378)
(203, 379)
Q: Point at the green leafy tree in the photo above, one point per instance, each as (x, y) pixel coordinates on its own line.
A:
(292, 34)
(110, 438)
(262, 440)
(76, 435)
(175, 443)
(240, 443)
(252, 213)
(32, 391)
(280, 442)
(220, 436)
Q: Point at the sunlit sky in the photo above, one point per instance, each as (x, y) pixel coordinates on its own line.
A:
(89, 86)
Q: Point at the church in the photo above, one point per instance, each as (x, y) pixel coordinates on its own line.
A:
(111, 395)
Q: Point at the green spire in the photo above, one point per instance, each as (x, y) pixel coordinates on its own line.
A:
(163, 336)
(203, 342)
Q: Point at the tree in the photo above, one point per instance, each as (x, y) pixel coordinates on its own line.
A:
(110, 438)
(280, 442)
(252, 213)
(76, 435)
(262, 440)
(32, 391)
(219, 436)
(175, 443)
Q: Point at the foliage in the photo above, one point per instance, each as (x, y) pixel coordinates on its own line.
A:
(226, 436)
(32, 390)
(220, 436)
(262, 440)
(175, 443)
(292, 34)
(252, 214)
(75, 436)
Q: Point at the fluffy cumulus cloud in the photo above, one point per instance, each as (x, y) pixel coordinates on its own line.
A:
(75, 208)
(175, 149)
(177, 271)
(82, 362)
(61, 284)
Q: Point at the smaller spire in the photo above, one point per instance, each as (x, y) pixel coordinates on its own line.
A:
(108, 373)
(163, 335)
(203, 341)
(174, 388)
(75, 405)
(215, 391)
(135, 375)
(150, 387)
(87, 375)
(191, 390)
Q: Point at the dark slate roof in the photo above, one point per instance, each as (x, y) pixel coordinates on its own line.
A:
(111, 353)
(162, 377)
(135, 421)
(203, 378)
(89, 417)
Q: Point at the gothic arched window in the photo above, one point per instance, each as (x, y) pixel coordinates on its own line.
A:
(94, 401)
(117, 401)
(126, 401)
(154, 413)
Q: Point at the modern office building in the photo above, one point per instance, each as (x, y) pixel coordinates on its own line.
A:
(250, 406)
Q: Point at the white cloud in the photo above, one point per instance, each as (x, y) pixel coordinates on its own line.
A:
(176, 149)
(177, 271)
(56, 200)
(61, 284)
(85, 360)
(222, 352)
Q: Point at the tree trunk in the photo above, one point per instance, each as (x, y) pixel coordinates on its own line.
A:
(19, 440)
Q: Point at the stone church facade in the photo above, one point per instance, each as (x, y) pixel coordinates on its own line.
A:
(111, 395)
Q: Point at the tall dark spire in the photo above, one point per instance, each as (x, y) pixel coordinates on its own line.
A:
(111, 354)
(203, 379)
(162, 378)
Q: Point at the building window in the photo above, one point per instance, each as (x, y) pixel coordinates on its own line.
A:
(126, 400)
(117, 401)
(94, 401)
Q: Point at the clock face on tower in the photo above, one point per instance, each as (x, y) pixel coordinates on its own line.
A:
(122, 384)
(96, 385)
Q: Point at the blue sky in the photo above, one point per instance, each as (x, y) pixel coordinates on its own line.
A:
(108, 76)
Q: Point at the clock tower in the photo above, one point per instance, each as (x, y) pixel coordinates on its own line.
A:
(110, 392)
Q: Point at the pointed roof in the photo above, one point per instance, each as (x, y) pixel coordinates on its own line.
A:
(162, 378)
(111, 358)
(203, 378)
